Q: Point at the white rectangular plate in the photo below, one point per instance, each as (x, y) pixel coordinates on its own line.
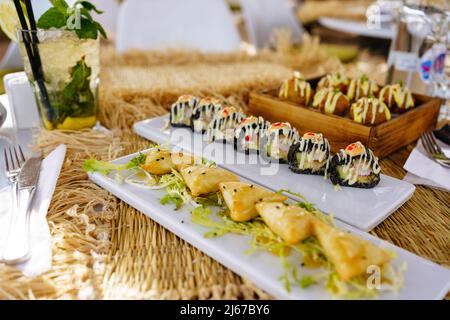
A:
(361, 208)
(423, 279)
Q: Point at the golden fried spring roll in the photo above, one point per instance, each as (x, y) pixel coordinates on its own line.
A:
(158, 162)
(203, 180)
(163, 161)
(350, 255)
(241, 199)
(290, 222)
(181, 160)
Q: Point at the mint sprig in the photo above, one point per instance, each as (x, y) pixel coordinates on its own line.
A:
(59, 15)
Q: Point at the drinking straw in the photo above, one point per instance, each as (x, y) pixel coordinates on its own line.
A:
(33, 56)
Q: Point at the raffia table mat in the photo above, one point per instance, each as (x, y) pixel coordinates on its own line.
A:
(104, 249)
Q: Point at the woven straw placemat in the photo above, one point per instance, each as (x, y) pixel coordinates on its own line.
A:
(105, 249)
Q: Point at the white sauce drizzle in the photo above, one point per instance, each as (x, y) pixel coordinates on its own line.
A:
(362, 106)
(401, 95)
(363, 166)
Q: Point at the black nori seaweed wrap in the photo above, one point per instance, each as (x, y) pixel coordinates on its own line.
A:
(205, 105)
(308, 145)
(248, 134)
(343, 158)
(187, 102)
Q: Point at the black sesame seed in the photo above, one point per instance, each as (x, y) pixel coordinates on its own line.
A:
(260, 199)
(182, 221)
(251, 186)
(235, 190)
(203, 172)
(278, 207)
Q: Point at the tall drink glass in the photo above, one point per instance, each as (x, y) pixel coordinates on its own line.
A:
(71, 69)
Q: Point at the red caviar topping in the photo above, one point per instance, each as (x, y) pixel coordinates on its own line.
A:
(247, 137)
(355, 148)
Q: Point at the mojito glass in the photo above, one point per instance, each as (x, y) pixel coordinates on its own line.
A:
(71, 69)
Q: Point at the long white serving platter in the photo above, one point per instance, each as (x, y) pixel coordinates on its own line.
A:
(422, 280)
(361, 208)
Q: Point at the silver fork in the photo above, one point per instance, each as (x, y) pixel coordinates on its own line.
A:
(433, 149)
(14, 160)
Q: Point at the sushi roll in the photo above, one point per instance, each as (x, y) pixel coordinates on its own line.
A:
(370, 111)
(362, 87)
(310, 155)
(203, 113)
(297, 90)
(334, 81)
(398, 98)
(248, 134)
(221, 128)
(181, 111)
(331, 101)
(355, 166)
(279, 138)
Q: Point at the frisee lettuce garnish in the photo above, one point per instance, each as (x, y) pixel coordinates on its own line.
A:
(77, 18)
(263, 238)
(105, 167)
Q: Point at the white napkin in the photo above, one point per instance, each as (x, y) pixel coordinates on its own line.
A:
(41, 249)
(423, 170)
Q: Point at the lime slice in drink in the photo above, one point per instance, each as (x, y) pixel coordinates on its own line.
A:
(9, 20)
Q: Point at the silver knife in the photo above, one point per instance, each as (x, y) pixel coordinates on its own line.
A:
(17, 247)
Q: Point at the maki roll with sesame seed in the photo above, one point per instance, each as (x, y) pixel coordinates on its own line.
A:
(203, 113)
(362, 87)
(221, 128)
(297, 90)
(334, 81)
(248, 134)
(331, 101)
(310, 155)
(370, 111)
(181, 111)
(279, 138)
(355, 166)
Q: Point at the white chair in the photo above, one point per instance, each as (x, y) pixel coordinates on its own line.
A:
(108, 19)
(205, 25)
(262, 17)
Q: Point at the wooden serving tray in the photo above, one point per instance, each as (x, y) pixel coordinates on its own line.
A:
(383, 139)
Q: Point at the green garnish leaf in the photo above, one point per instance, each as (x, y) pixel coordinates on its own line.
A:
(61, 5)
(88, 29)
(306, 281)
(137, 161)
(77, 98)
(101, 30)
(52, 18)
(89, 6)
(174, 199)
(58, 15)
